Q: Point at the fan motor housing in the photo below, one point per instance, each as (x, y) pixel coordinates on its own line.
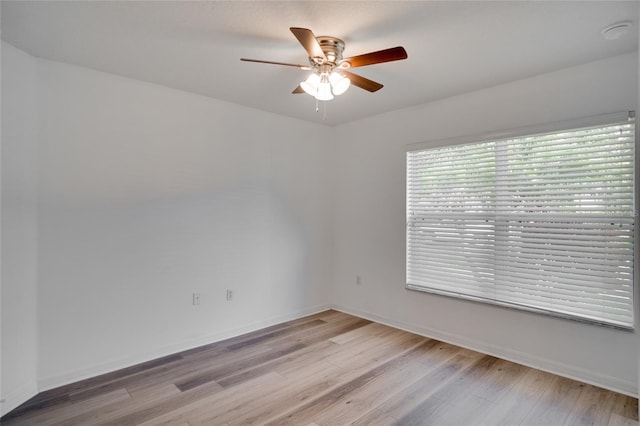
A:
(332, 48)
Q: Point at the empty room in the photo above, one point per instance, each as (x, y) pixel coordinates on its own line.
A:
(319, 213)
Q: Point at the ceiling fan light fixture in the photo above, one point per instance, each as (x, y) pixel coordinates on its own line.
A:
(339, 83)
(329, 75)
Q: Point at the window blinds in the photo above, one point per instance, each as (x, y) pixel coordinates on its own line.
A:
(542, 222)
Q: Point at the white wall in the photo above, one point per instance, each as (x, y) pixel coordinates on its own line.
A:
(18, 367)
(149, 194)
(369, 223)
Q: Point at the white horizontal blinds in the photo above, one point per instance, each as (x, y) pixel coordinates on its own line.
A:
(543, 222)
(451, 206)
(565, 221)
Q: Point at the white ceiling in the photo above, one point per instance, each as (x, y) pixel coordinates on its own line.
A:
(453, 47)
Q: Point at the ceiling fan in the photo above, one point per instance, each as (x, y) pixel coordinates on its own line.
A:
(330, 76)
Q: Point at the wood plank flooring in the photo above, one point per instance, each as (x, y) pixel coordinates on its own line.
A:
(327, 369)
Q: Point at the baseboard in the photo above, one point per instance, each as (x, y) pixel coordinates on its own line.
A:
(96, 370)
(604, 381)
(17, 397)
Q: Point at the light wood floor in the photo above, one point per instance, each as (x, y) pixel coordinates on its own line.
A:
(328, 369)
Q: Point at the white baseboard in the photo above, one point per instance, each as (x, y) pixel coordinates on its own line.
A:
(96, 370)
(615, 384)
(16, 397)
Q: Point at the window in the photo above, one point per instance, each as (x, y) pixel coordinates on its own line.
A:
(543, 222)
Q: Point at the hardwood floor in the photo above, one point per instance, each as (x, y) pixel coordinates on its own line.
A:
(327, 369)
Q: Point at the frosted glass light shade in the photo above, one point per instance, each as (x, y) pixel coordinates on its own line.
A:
(324, 91)
(339, 83)
(310, 85)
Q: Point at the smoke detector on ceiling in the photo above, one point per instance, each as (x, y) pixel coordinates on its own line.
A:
(617, 30)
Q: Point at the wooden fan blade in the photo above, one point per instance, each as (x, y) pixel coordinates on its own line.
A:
(309, 42)
(298, 90)
(387, 55)
(361, 82)
(302, 67)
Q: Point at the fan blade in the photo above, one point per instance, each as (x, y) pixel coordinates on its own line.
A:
(302, 67)
(298, 90)
(387, 55)
(361, 82)
(309, 42)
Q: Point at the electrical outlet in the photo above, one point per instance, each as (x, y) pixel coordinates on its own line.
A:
(229, 295)
(358, 280)
(196, 299)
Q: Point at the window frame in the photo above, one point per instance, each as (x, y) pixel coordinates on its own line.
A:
(537, 130)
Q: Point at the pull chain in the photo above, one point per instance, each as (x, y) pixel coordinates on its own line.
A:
(324, 109)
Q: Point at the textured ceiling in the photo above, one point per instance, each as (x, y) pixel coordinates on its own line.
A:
(453, 47)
